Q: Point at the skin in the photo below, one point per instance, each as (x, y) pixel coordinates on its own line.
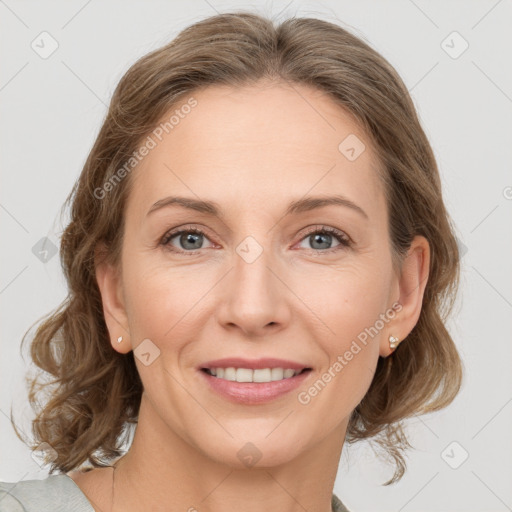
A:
(252, 150)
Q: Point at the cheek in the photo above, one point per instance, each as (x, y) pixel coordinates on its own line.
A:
(349, 312)
(349, 306)
(347, 300)
(162, 301)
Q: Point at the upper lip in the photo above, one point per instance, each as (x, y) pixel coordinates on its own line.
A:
(254, 364)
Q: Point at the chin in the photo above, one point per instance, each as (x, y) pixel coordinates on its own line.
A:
(255, 452)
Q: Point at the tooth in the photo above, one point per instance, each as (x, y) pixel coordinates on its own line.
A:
(248, 375)
(230, 373)
(263, 375)
(244, 375)
(276, 373)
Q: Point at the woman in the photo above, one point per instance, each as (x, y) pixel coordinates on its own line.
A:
(260, 265)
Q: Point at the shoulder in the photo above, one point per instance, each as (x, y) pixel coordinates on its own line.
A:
(337, 505)
(56, 493)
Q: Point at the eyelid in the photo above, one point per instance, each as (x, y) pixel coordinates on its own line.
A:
(328, 229)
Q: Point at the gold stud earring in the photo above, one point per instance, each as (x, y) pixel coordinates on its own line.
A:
(393, 342)
(120, 339)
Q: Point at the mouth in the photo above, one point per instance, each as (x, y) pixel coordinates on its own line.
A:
(252, 382)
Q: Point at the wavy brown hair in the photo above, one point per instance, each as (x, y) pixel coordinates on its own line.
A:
(94, 392)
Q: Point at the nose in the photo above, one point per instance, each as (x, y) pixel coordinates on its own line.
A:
(254, 296)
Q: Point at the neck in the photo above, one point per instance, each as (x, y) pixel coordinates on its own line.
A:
(161, 468)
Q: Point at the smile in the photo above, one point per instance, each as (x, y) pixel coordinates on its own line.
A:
(253, 386)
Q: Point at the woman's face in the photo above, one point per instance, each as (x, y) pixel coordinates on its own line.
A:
(260, 279)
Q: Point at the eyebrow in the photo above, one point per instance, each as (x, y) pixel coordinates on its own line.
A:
(298, 206)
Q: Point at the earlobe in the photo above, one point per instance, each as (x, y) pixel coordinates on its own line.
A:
(110, 287)
(411, 283)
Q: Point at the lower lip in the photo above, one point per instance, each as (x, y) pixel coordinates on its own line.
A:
(254, 392)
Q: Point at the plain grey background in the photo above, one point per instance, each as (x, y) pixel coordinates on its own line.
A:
(454, 57)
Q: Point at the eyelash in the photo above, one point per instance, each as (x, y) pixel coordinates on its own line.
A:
(345, 241)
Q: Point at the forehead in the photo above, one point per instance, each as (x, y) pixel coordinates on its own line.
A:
(265, 142)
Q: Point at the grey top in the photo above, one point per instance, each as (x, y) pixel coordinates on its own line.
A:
(59, 493)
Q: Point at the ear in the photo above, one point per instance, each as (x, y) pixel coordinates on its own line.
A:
(110, 286)
(411, 285)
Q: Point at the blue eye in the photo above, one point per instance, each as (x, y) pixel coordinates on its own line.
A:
(323, 235)
(191, 239)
